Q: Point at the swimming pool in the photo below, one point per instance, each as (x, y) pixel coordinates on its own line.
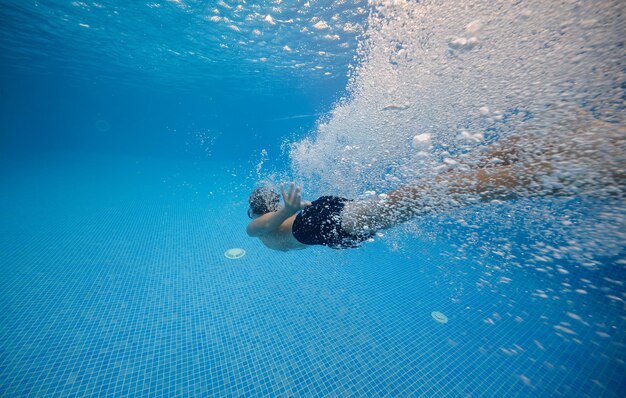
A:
(125, 173)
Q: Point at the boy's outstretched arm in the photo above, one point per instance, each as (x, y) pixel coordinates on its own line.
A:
(270, 221)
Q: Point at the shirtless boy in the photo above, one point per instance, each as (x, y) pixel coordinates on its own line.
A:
(340, 223)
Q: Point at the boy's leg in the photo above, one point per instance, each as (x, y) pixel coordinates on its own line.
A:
(448, 190)
(582, 152)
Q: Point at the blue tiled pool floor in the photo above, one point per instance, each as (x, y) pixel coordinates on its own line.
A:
(114, 282)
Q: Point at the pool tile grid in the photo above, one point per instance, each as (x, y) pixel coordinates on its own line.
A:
(141, 300)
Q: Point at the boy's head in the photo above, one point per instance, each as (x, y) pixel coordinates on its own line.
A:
(262, 200)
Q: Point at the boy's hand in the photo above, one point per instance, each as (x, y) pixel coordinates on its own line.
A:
(293, 200)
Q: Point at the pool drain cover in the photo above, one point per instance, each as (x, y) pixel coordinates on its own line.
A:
(439, 317)
(235, 253)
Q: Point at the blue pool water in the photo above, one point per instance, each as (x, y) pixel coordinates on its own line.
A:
(125, 169)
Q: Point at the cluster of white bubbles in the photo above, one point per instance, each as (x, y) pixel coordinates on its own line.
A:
(534, 87)
(444, 87)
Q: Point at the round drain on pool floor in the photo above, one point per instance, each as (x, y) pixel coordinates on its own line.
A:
(439, 317)
(235, 253)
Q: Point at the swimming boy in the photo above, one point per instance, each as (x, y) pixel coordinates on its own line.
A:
(339, 223)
